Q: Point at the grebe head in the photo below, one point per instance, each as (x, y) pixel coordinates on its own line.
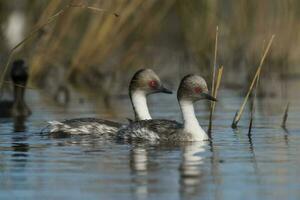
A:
(193, 88)
(146, 80)
(19, 73)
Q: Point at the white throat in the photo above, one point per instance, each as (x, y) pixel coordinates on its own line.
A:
(139, 103)
(190, 122)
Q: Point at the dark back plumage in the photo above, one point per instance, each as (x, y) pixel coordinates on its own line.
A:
(155, 129)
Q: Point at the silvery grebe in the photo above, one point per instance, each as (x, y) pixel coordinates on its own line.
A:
(143, 83)
(17, 107)
(191, 89)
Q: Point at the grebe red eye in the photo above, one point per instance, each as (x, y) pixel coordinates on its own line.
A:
(153, 84)
(197, 90)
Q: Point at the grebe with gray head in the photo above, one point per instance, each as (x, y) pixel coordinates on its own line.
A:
(143, 83)
(16, 107)
(191, 89)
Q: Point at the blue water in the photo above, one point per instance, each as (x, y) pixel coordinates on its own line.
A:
(263, 165)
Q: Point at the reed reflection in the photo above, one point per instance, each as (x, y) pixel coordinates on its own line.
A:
(19, 124)
(190, 169)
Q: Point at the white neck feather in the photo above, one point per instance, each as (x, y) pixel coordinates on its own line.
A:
(190, 121)
(139, 103)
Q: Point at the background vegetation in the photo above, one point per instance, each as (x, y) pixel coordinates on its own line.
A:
(101, 50)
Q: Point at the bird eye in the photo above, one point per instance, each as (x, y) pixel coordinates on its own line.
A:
(153, 84)
(197, 89)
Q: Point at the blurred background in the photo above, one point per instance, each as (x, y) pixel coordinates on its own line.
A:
(97, 52)
(80, 66)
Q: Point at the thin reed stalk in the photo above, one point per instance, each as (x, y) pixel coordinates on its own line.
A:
(238, 116)
(215, 63)
(213, 89)
(217, 86)
(219, 78)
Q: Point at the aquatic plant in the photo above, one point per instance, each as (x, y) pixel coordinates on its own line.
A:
(239, 113)
(216, 80)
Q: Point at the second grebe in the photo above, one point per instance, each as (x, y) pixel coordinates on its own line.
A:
(191, 89)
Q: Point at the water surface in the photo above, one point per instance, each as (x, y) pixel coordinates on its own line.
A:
(263, 165)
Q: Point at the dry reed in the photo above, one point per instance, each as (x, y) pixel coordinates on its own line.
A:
(239, 113)
(99, 40)
(35, 30)
(215, 62)
(215, 94)
(213, 89)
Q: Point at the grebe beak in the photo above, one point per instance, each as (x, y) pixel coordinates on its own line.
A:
(208, 97)
(164, 90)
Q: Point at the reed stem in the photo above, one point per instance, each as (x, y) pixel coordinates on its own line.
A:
(240, 111)
(217, 86)
(213, 81)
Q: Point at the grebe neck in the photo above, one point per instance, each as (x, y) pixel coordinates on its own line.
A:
(139, 104)
(190, 122)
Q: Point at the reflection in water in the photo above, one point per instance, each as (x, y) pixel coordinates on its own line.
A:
(190, 169)
(285, 133)
(139, 170)
(19, 157)
(215, 172)
(19, 145)
(20, 149)
(19, 124)
(260, 166)
(251, 148)
(286, 136)
(253, 157)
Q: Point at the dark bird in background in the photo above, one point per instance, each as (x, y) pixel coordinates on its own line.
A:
(16, 107)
